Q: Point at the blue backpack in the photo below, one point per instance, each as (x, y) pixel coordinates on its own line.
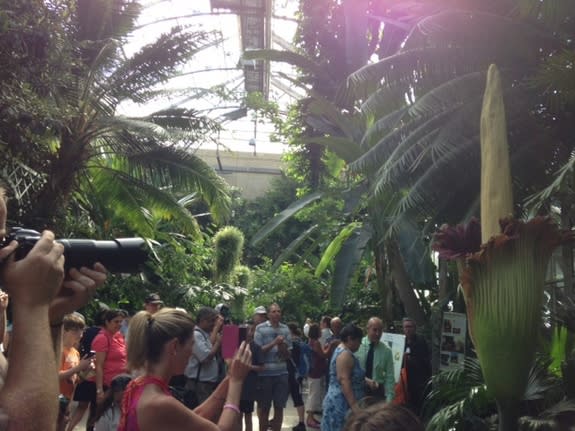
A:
(304, 364)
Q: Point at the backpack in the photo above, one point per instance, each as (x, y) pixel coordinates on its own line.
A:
(303, 362)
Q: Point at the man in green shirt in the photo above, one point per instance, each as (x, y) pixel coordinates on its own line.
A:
(376, 359)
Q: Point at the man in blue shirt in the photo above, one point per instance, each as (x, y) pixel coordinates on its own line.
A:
(275, 341)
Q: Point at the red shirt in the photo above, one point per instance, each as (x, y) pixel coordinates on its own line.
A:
(115, 348)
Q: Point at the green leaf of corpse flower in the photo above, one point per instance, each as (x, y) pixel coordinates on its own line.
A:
(503, 288)
(503, 282)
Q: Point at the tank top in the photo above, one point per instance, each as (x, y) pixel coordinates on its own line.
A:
(132, 394)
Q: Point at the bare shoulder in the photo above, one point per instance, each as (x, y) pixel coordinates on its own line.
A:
(158, 412)
(345, 358)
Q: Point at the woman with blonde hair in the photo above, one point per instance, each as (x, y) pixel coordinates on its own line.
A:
(161, 344)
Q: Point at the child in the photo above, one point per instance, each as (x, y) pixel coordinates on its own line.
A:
(70, 364)
(250, 383)
(109, 412)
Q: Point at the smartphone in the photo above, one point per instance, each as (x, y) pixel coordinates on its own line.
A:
(91, 354)
(243, 334)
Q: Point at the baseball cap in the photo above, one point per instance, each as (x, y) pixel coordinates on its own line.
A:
(153, 298)
(260, 310)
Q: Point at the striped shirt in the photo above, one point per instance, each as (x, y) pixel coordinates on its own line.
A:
(265, 334)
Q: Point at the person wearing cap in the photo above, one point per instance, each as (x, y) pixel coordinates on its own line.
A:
(260, 315)
(153, 303)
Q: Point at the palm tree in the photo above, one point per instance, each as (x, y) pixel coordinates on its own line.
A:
(425, 100)
(139, 162)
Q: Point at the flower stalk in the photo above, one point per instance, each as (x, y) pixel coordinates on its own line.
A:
(496, 188)
(504, 278)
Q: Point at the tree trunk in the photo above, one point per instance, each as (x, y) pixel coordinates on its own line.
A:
(403, 285)
(54, 197)
(382, 287)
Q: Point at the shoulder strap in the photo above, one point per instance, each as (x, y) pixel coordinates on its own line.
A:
(199, 362)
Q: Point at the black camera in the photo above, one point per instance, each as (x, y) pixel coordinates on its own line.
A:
(121, 255)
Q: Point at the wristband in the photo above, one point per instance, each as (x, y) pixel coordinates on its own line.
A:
(233, 407)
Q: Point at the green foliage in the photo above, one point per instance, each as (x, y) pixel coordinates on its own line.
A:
(459, 400)
(334, 247)
(293, 287)
(250, 216)
(228, 248)
(67, 77)
(276, 221)
(558, 351)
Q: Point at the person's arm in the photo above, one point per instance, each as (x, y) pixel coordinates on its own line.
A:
(77, 290)
(3, 306)
(32, 283)
(267, 347)
(101, 346)
(389, 383)
(168, 413)
(203, 350)
(216, 335)
(100, 359)
(83, 365)
(344, 370)
(212, 406)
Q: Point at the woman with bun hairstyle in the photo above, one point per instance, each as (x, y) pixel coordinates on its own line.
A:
(161, 344)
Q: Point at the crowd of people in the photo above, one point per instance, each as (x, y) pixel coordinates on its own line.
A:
(164, 369)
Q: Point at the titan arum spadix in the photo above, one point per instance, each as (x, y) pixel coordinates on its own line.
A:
(502, 278)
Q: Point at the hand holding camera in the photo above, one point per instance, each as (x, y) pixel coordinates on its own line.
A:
(35, 279)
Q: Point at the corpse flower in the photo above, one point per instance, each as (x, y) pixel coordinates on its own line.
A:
(503, 279)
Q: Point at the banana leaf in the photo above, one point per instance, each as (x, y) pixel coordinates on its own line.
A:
(280, 218)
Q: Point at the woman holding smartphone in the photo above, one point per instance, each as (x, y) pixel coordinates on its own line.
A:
(161, 344)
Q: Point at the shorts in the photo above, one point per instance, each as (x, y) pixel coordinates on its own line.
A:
(273, 389)
(247, 406)
(85, 392)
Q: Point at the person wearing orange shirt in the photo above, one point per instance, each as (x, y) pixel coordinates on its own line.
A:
(70, 364)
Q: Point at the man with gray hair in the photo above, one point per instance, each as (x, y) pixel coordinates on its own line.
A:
(376, 359)
(202, 371)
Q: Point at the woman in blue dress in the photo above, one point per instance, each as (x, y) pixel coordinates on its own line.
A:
(346, 380)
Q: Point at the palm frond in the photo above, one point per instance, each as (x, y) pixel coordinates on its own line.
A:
(136, 77)
(284, 215)
(458, 398)
(405, 67)
(555, 77)
(558, 416)
(293, 246)
(137, 203)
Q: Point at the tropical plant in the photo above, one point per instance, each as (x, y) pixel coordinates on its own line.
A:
(503, 281)
(425, 99)
(293, 287)
(228, 248)
(458, 400)
(79, 143)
